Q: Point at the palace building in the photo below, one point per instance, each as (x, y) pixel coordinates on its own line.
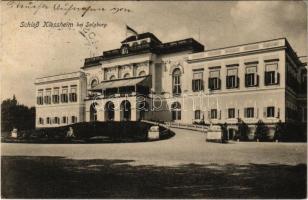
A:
(179, 81)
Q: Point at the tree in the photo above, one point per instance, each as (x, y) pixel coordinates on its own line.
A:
(15, 115)
(261, 131)
(243, 129)
(279, 131)
(224, 131)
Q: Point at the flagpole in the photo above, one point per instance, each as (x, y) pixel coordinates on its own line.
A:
(125, 31)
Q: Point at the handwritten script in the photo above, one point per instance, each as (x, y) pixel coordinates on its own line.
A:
(64, 7)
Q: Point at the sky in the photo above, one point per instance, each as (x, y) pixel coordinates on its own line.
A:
(27, 52)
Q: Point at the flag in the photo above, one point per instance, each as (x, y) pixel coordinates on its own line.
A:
(132, 31)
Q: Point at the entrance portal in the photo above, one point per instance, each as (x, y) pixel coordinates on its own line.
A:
(231, 134)
(109, 111)
(125, 111)
(93, 113)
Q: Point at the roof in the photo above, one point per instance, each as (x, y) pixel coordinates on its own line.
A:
(118, 83)
(142, 36)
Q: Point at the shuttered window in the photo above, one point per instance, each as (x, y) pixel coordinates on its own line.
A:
(232, 80)
(214, 80)
(197, 82)
(251, 77)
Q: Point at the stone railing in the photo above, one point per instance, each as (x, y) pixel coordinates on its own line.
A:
(193, 127)
(59, 77)
(238, 49)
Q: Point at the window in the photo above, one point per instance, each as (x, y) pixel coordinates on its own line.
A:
(94, 83)
(64, 98)
(142, 73)
(41, 120)
(124, 50)
(251, 77)
(197, 82)
(73, 94)
(144, 42)
(214, 80)
(231, 113)
(74, 119)
(197, 114)
(270, 111)
(127, 75)
(176, 82)
(249, 112)
(56, 120)
(55, 96)
(64, 120)
(271, 76)
(39, 99)
(47, 97)
(48, 121)
(112, 77)
(213, 113)
(176, 111)
(232, 80)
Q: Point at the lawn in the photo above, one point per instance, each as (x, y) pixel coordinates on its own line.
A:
(56, 177)
(184, 166)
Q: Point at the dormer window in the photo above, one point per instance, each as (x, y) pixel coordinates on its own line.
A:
(127, 75)
(112, 77)
(94, 83)
(124, 49)
(142, 73)
(144, 42)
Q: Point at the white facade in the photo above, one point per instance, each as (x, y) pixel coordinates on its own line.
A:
(180, 82)
(54, 109)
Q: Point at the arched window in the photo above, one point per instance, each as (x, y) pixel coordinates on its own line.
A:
(112, 77)
(125, 113)
(94, 83)
(127, 75)
(176, 82)
(135, 44)
(93, 112)
(142, 73)
(176, 111)
(109, 111)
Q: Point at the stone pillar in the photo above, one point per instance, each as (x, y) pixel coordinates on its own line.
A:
(117, 115)
(100, 115)
(133, 114)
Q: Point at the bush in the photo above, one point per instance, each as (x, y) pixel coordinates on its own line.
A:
(112, 131)
(242, 133)
(291, 132)
(279, 130)
(261, 131)
(224, 132)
